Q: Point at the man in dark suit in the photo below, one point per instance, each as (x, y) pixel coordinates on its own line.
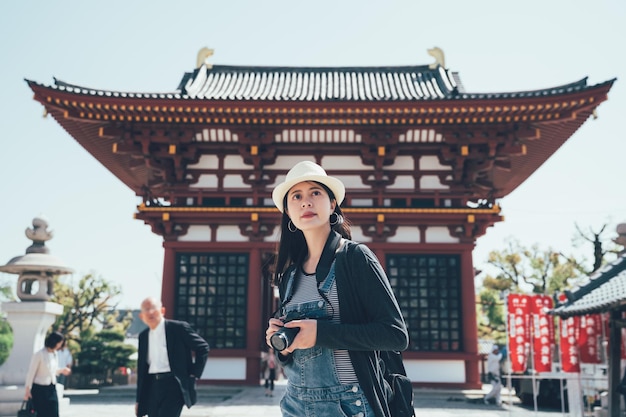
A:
(171, 356)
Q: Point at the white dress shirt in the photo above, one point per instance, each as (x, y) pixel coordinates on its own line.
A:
(157, 350)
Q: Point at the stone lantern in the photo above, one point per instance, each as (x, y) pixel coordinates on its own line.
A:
(37, 268)
(30, 318)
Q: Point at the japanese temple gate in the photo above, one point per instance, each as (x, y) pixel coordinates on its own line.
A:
(424, 163)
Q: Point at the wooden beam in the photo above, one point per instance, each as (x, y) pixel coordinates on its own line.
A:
(615, 343)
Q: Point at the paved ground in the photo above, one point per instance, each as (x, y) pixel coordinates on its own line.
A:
(231, 401)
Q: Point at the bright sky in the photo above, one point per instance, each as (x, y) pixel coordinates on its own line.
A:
(147, 46)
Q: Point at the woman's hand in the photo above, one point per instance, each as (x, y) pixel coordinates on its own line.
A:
(273, 326)
(306, 337)
(27, 394)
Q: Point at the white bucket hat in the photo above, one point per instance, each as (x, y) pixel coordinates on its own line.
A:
(307, 171)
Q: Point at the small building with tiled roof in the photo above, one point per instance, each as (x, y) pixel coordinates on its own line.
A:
(424, 162)
(605, 292)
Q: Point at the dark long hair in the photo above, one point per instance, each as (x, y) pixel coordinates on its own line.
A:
(292, 246)
(53, 339)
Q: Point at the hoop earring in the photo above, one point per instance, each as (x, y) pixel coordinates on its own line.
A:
(332, 223)
(294, 230)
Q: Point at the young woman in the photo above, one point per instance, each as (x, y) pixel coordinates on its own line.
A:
(338, 295)
(41, 377)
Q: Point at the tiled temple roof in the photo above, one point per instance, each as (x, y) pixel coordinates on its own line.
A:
(323, 84)
(606, 290)
(319, 84)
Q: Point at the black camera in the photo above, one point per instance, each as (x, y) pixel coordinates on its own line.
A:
(283, 338)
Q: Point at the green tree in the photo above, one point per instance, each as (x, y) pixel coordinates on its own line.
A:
(6, 340)
(6, 333)
(103, 353)
(7, 282)
(520, 269)
(93, 327)
(535, 270)
(7, 293)
(603, 247)
(490, 314)
(86, 304)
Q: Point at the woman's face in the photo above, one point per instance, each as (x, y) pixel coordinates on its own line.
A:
(58, 345)
(309, 206)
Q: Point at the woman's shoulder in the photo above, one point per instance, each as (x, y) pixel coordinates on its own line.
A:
(352, 247)
(40, 353)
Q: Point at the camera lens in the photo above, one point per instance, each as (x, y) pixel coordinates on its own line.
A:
(279, 342)
(283, 338)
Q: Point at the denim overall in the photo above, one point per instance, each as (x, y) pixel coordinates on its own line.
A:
(313, 388)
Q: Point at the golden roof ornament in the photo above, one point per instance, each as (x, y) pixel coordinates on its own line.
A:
(203, 55)
(440, 60)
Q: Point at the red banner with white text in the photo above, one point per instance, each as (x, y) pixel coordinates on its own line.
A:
(589, 338)
(570, 358)
(543, 332)
(519, 330)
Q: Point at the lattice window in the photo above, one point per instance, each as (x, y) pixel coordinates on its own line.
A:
(428, 289)
(211, 295)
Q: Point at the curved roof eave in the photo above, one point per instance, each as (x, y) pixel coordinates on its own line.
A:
(341, 84)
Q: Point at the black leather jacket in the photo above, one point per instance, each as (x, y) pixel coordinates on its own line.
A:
(371, 320)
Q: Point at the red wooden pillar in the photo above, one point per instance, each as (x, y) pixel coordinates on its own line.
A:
(168, 286)
(470, 328)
